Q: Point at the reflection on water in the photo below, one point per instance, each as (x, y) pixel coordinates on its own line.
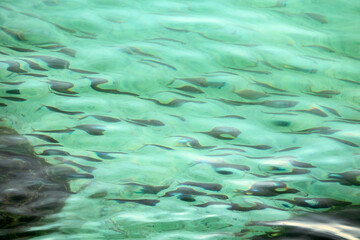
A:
(196, 120)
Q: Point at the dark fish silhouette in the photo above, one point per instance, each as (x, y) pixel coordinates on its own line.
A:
(61, 86)
(157, 145)
(208, 186)
(33, 65)
(136, 51)
(95, 82)
(317, 17)
(146, 122)
(87, 169)
(148, 189)
(15, 35)
(251, 94)
(324, 93)
(223, 132)
(289, 149)
(15, 99)
(192, 142)
(43, 137)
(190, 89)
(147, 202)
(232, 116)
(160, 63)
(317, 202)
(54, 109)
(13, 91)
(67, 130)
(231, 149)
(268, 189)
(67, 51)
(82, 71)
(106, 155)
(87, 158)
(186, 194)
(318, 130)
(92, 129)
(237, 207)
(259, 147)
(343, 141)
(268, 86)
(14, 67)
(53, 62)
(251, 71)
(52, 152)
(313, 111)
(330, 110)
(301, 164)
(12, 83)
(103, 118)
(34, 75)
(201, 82)
(18, 49)
(267, 103)
(172, 103)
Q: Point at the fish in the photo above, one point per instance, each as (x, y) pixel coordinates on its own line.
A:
(136, 51)
(313, 111)
(87, 169)
(15, 99)
(185, 192)
(299, 69)
(324, 93)
(289, 149)
(294, 171)
(330, 110)
(190, 89)
(231, 116)
(13, 91)
(33, 74)
(19, 36)
(268, 189)
(251, 71)
(317, 17)
(166, 39)
(301, 164)
(343, 141)
(231, 149)
(160, 63)
(43, 137)
(282, 94)
(157, 145)
(105, 155)
(207, 186)
(51, 152)
(3, 105)
(18, 49)
(54, 109)
(14, 67)
(201, 82)
(102, 118)
(349, 81)
(67, 130)
(92, 129)
(179, 117)
(82, 71)
(33, 65)
(192, 142)
(181, 94)
(52, 62)
(274, 113)
(87, 158)
(61, 86)
(49, 145)
(266, 103)
(12, 83)
(173, 103)
(100, 194)
(98, 81)
(323, 48)
(229, 133)
(147, 202)
(67, 51)
(146, 122)
(148, 189)
(259, 147)
(236, 207)
(218, 165)
(318, 130)
(251, 94)
(316, 203)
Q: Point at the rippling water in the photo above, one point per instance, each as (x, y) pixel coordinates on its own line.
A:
(196, 119)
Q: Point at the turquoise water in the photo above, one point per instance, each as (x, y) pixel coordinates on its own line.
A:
(156, 99)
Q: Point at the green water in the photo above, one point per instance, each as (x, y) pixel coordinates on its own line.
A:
(278, 78)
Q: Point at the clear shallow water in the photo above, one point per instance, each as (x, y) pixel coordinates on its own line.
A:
(260, 97)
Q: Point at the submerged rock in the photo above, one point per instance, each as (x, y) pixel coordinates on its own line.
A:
(29, 190)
